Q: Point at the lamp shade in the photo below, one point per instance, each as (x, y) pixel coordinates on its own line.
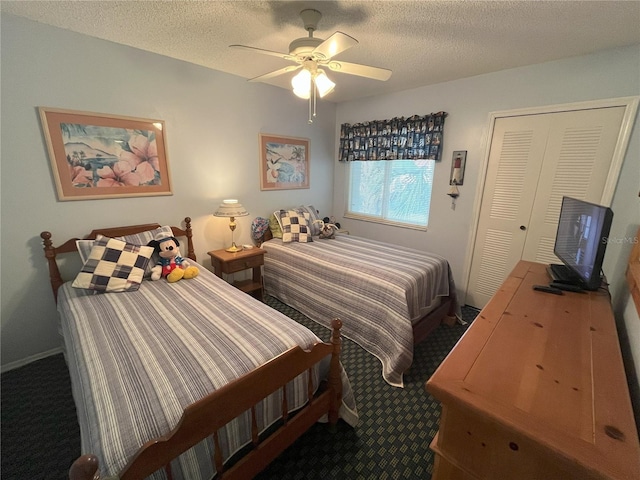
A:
(301, 84)
(323, 84)
(230, 208)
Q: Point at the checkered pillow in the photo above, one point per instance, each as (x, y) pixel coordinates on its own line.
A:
(142, 238)
(113, 266)
(295, 226)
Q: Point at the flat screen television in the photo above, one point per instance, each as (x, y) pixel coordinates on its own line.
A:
(581, 241)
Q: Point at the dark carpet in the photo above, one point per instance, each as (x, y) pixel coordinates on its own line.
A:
(41, 438)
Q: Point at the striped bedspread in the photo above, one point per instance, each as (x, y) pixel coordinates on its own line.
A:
(375, 288)
(137, 359)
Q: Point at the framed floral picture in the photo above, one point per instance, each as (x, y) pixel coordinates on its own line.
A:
(284, 162)
(97, 156)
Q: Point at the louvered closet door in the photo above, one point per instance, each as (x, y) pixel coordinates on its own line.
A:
(576, 164)
(534, 160)
(516, 155)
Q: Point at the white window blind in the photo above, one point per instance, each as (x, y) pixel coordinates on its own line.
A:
(397, 191)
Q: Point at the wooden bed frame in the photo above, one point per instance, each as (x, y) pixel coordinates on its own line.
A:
(205, 417)
(50, 252)
(444, 313)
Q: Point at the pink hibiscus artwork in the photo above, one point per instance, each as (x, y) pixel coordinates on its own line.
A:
(119, 174)
(143, 158)
(102, 156)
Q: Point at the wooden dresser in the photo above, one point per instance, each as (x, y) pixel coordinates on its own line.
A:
(536, 389)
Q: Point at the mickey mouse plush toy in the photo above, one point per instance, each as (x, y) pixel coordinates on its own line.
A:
(171, 266)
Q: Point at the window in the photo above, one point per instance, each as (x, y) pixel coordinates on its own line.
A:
(391, 165)
(391, 191)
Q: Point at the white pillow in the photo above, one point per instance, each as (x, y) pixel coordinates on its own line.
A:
(84, 248)
(315, 222)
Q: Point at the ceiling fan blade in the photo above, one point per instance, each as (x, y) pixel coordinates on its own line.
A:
(275, 73)
(336, 43)
(376, 73)
(286, 56)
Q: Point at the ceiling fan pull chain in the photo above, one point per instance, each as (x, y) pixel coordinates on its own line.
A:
(310, 107)
(315, 96)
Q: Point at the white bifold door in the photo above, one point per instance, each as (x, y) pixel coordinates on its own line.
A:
(533, 161)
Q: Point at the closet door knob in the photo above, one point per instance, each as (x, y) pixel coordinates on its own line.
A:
(522, 227)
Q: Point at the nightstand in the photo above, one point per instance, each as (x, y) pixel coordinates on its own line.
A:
(227, 263)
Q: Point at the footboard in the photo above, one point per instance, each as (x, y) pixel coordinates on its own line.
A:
(204, 418)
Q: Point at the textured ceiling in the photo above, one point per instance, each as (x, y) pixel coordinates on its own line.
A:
(422, 42)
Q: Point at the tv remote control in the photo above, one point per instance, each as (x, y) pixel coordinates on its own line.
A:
(548, 289)
(566, 286)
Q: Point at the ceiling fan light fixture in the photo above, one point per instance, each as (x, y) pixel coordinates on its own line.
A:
(309, 53)
(301, 84)
(304, 94)
(323, 84)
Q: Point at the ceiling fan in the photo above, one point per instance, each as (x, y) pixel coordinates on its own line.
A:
(311, 54)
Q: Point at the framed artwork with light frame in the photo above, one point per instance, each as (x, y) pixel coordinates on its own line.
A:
(97, 156)
(284, 162)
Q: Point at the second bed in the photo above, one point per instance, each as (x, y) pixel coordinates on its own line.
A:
(389, 297)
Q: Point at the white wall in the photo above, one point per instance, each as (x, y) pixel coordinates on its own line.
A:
(212, 125)
(615, 73)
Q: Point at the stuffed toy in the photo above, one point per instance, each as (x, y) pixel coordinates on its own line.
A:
(331, 220)
(171, 266)
(327, 230)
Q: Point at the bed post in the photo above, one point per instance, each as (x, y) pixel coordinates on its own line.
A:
(335, 372)
(84, 468)
(50, 254)
(190, 250)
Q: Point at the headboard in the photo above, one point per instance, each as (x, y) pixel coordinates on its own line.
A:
(267, 235)
(51, 252)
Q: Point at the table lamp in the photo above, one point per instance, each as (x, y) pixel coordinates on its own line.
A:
(232, 209)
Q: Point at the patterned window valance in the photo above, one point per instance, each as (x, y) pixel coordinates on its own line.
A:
(412, 138)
